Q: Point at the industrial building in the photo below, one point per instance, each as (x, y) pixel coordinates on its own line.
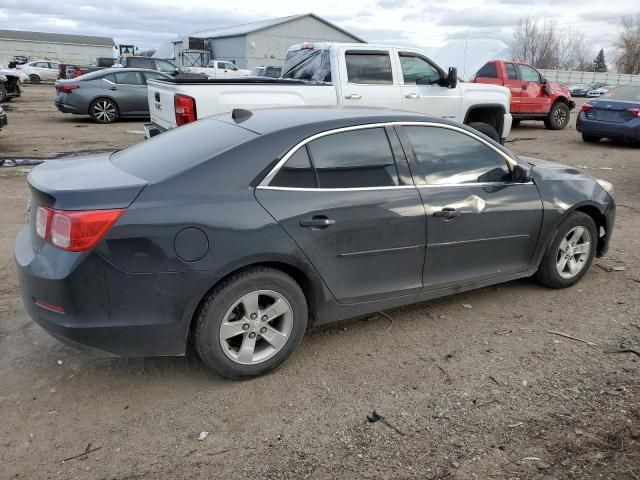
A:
(80, 49)
(253, 44)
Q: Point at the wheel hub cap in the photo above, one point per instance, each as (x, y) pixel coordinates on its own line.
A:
(573, 252)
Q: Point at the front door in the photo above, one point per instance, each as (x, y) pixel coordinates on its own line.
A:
(534, 99)
(480, 224)
(421, 89)
(345, 204)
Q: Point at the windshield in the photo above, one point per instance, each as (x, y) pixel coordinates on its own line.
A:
(307, 64)
(630, 93)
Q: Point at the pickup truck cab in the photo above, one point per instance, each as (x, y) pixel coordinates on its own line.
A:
(219, 69)
(533, 97)
(327, 74)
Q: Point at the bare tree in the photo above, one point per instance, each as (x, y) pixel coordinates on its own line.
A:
(543, 45)
(628, 46)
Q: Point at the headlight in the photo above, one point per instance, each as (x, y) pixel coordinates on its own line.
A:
(607, 186)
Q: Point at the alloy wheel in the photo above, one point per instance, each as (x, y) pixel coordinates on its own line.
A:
(104, 111)
(573, 252)
(560, 116)
(256, 327)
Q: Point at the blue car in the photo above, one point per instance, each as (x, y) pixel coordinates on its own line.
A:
(615, 115)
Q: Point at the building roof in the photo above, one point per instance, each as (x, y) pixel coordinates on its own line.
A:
(56, 38)
(245, 28)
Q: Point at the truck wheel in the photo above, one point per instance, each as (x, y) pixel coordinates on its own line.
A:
(486, 129)
(590, 138)
(3, 94)
(558, 117)
(35, 79)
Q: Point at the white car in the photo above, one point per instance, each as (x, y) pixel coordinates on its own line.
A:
(219, 69)
(598, 92)
(40, 70)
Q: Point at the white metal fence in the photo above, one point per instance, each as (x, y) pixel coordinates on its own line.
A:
(575, 77)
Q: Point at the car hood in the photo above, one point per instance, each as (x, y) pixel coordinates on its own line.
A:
(558, 89)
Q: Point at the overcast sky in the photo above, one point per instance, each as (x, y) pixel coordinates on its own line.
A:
(146, 23)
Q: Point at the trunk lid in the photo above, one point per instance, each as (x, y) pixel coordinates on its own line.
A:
(614, 111)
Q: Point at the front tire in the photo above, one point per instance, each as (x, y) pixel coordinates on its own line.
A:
(590, 138)
(3, 94)
(35, 79)
(251, 323)
(570, 253)
(103, 110)
(558, 117)
(487, 129)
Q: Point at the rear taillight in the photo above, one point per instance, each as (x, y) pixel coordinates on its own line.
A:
(185, 108)
(635, 112)
(66, 88)
(586, 107)
(74, 230)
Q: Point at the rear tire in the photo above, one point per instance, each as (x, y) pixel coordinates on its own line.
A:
(104, 110)
(570, 253)
(590, 138)
(486, 129)
(558, 117)
(232, 336)
(35, 79)
(3, 94)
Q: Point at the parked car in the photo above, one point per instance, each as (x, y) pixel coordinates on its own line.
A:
(533, 97)
(3, 118)
(614, 115)
(579, 90)
(17, 60)
(272, 72)
(108, 94)
(10, 85)
(40, 70)
(219, 69)
(164, 66)
(69, 70)
(597, 92)
(329, 74)
(224, 232)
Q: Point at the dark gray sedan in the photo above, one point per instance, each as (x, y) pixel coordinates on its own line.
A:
(239, 231)
(107, 95)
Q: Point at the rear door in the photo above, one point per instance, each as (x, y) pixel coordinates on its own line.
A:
(480, 224)
(346, 200)
(533, 98)
(512, 82)
(421, 91)
(130, 93)
(368, 79)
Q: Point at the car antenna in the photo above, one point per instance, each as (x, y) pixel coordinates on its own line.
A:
(240, 114)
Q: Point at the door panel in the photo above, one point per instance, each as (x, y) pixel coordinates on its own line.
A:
(495, 240)
(534, 99)
(375, 247)
(130, 92)
(512, 82)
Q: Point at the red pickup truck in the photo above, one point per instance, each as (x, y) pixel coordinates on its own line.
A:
(533, 97)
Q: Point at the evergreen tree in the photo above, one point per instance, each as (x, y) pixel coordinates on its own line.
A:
(599, 63)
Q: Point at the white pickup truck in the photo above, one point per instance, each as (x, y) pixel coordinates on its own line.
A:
(219, 69)
(339, 74)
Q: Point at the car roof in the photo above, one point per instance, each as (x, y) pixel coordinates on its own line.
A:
(268, 120)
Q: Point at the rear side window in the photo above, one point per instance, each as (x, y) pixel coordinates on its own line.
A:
(511, 71)
(110, 78)
(166, 155)
(359, 158)
(296, 172)
(447, 156)
(369, 67)
(488, 71)
(129, 78)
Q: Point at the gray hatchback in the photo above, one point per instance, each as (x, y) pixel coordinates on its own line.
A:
(107, 95)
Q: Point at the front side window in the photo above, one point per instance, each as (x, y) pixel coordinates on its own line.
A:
(417, 70)
(488, 71)
(296, 172)
(129, 78)
(446, 156)
(354, 159)
(529, 74)
(369, 67)
(511, 71)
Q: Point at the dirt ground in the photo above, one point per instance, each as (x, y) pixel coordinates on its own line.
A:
(484, 392)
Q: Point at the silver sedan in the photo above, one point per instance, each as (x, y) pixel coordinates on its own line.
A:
(107, 95)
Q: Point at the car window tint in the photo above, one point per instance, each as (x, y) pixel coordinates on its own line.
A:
(134, 62)
(529, 74)
(511, 71)
(446, 156)
(296, 172)
(359, 158)
(416, 69)
(164, 66)
(129, 78)
(369, 67)
(488, 71)
(110, 78)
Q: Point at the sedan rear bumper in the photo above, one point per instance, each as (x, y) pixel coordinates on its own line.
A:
(625, 131)
(65, 108)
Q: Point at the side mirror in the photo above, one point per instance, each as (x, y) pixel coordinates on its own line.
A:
(544, 81)
(521, 174)
(176, 70)
(452, 77)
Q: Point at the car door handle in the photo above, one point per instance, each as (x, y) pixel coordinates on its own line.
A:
(412, 95)
(446, 212)
(113, 88)
(353, 96)
(317, 222)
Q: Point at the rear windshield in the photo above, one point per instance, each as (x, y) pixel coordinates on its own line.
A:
(307, 64)
(180, 149)
(630, 93)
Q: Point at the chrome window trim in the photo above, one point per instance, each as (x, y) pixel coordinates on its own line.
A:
(264, 184)
(341, 189)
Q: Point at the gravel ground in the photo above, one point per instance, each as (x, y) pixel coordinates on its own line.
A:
(483, 392)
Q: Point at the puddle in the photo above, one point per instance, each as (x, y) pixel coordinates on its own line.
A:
(21, 161)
